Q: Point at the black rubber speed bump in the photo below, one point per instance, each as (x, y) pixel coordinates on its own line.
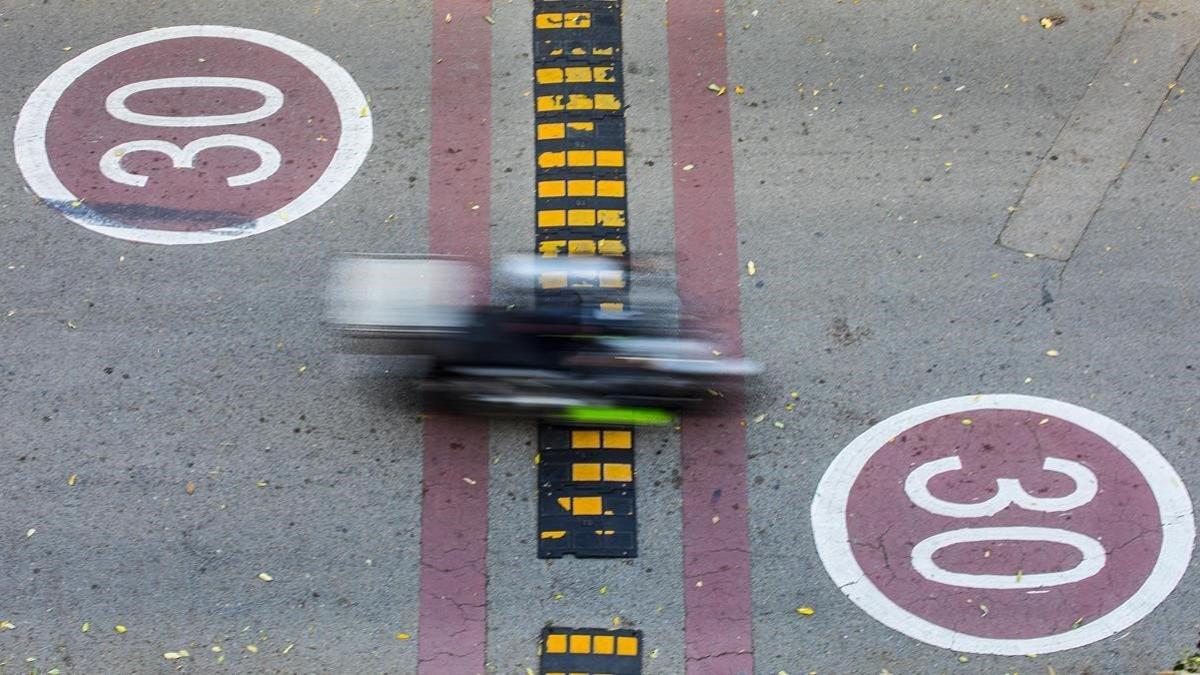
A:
(586, 504)
(576, 30)
(568, 651)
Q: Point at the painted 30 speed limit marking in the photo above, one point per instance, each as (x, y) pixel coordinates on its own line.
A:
(1003, 524)
(192, 134)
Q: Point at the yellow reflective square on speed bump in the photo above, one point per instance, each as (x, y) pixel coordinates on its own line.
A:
(585, 439)
(611, 247)
(580, 644)
(612, 158)
(549, 189)
(606, 102)
(618, 473)
(610, 188)
(590, 651)
(552, 160)
(581, 247)
(618, 439)
(552, 218)
(578, 74)
(604, 644)
(551, 248)
(581, 218)
(549, 75)
(587, 506)
(583, 188)
(549, 131)
(554, 20)
(581, 158)
(556, 643)
(585, 471)
(610, 217)
(579, 102)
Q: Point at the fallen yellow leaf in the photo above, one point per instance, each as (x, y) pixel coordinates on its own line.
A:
(402, 636)
(805, 611)
(120, 628)
(265, 577)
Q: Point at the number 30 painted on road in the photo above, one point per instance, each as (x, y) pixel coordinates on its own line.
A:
(181, 158)
(292, 129)
(1008, 493)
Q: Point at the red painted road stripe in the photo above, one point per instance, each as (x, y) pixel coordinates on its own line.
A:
(453, 598)
(716, 548)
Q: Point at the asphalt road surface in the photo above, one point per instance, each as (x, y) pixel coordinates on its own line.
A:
(183, 454)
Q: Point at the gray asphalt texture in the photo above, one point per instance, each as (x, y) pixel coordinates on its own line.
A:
(880, 286)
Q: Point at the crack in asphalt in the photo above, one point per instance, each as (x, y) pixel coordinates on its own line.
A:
(718, 655)
(470, 567)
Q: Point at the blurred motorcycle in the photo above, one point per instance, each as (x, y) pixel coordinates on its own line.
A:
(561, 358)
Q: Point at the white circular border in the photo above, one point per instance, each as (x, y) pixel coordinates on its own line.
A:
(833, 539)
(29, 140)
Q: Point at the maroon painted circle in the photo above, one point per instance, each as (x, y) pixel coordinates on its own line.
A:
(306, 131)
(884, 525)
